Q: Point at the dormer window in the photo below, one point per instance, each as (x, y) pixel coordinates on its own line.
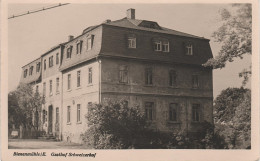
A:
(79, 47)
(131, 42)
(189, 49)
(69, 51)
(150, 24)
(25, 73)
(165, 46)
(31, 70)
(38, 67)
(44, 64)
(50, 61)
(158, 46)
(90, 40)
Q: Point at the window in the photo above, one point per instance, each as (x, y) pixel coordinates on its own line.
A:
(90, 75)
(68, 114)
(44, 64)
(172, 78)
(131, 42)
(44, 89)
(25, 73)
(148, 76)
(69, 51)
(173, 112)
(149, 111)
(90, 42)
(89, 106)
(78, 113)
(43, 116)
(57, 58)
(57, 85)
(50, 61)
(189, 50)
(78, 78)
(69, 81)
(123, 74)
(158, 46)
(196, 112)
(50, 87)
(31, 70)
(165, 46)
(125, 103)
(37, 89)
(79, 47)
(38, 67)
(195, 81)
(57, 115)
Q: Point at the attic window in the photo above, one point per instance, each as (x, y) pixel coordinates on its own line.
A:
(165, 46)
(131, 42)
(31, 70)
(90, 41)
(189, 49)
(79, 47)
(157, 45)
(38, 66)
(150, 24)
(161, 44)
(69, 51)
(25, 73)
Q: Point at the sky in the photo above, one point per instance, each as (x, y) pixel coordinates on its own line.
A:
(32, 35)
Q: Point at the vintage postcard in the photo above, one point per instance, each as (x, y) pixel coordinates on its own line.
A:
(132, 80)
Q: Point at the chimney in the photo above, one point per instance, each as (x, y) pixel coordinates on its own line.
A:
(107, 21)
(130, 13)
(70, 37)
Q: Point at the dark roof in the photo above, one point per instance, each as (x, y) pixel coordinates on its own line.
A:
(52, 49)
(35, 76)
(135, 24)
(89, 28)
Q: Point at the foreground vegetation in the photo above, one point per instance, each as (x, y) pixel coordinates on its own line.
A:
(114, 125)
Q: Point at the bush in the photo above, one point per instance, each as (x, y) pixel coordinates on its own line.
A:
(114, 125)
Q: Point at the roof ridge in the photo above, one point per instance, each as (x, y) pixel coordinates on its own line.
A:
(182, 32)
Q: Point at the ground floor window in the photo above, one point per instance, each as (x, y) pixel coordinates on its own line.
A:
(173, 112)
(68, 114)
(149, 111)
(57, 115)
(196, 113)
(78, 113)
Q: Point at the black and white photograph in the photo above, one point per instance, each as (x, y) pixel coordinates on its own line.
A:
(131, 77)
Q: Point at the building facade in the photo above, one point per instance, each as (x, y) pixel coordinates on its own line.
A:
(156, 68)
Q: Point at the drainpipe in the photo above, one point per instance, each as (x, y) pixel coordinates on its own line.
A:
(61, 108)
(99, 77)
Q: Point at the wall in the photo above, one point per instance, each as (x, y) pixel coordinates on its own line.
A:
(52, 99)
(137, 93)
(79, 95)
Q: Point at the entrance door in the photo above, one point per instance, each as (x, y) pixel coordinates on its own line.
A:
(50, 120)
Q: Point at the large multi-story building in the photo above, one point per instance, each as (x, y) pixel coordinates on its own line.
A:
(139, 61)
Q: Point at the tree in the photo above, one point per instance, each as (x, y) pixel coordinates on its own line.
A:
(14, 112)
(226, 103)
(235, 36)
(232, 112)
(114, 125)
(24, 106)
